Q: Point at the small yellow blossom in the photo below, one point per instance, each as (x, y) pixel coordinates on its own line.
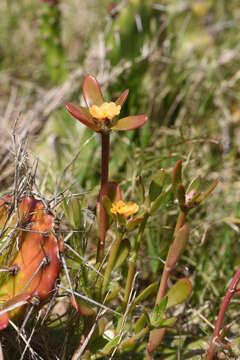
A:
(105, 111)
(200, 8)
(124, 209)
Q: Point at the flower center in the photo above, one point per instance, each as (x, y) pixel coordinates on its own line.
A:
(105, 111)
(124, 209)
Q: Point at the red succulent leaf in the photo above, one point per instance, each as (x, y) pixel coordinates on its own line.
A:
(82, 115)
(36, 245)
(122, 98)
(37, 262)
(91, 91)
(130, 123)
(26, 208)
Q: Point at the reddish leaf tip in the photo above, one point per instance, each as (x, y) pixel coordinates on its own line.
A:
(131, 122)
(122, 98)
(82, 115)
(91, 91)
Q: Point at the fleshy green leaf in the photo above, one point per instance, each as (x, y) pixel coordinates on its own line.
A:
(113, 294)
(140, 323)
(91, 91)
(178, 246)
(133, 223)
(122, 253)
(179, 292)
(82, 115)
(158, 312)
(110, 345)
(156, 184)
(75, 214)
(122, 98)
(176, 176)
(168, 322)
(149, 290)
(130, 123)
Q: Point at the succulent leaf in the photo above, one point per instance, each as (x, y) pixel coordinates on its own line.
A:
(91, 91)
(130, 123)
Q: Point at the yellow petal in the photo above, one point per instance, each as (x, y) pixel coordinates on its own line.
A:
(124, 209)
(105, 111)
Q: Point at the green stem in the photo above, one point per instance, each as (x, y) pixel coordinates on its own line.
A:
(132, 262)
(130, 276)
(110, 263)
(105, 137)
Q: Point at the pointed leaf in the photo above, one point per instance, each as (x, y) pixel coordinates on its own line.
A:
(178, 246)
(122, 253)
(75, 213)
(176, 176)
(156, 184)
(179, 292)
(168, 322)
(155, 339)
(113, 294)
(207, 192)
(133, 223)
(140, 323)
(122, 98)
(149, 290)
(130, 123)
(158, 312)
(110, 345)
(91, 91)
(82, 115)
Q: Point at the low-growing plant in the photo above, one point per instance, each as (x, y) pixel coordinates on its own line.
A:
(114, 317)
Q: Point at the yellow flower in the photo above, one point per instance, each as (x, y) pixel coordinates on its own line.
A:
(105, 111)
(124, 209)
(98, 115)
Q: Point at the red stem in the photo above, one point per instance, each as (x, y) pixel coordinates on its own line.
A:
(163, 285)
(216, 334)
(157, 335)
(103, 191)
